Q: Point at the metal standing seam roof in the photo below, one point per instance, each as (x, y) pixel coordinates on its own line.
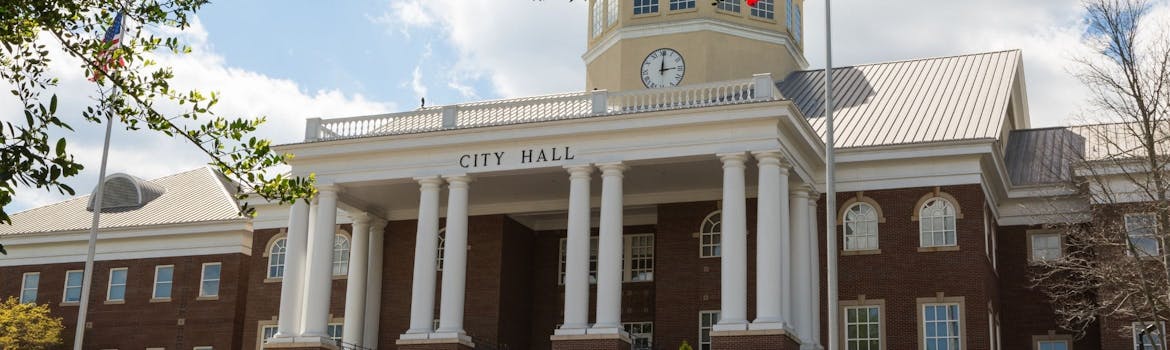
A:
(198, 195)
(923, 100)
(1042, 156)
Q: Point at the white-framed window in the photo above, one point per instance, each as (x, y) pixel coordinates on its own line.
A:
(73, 286)
(788, 15)
(942, 326)
(798, 26)
(1142, 231)
(209, 280)
(645, 6)
(936, 223)
(1153, 339)
(276, 256)
(164, 279)
(116, 291)
(711, 235)
(202, 348)
(729, 5)
(340, 255)
(681, 4)
(863, 327)
(442, 244)
(614, 6)
(707, 319)
(641, 335)
(597, 17)
(764, 9)
(267, 331)
(28, 287)
(637, 258)
(334, 331)
(861, 227)
(1044, 246)
(1053, 345)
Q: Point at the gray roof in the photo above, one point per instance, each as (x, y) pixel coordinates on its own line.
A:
(924, 100)
(199, 195)
(1121, 141)
(1042, 156)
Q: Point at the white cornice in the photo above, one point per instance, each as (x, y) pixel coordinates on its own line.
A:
(693, 25)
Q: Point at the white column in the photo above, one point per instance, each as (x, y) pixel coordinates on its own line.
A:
(373, 313)
(319, 283)
(609, 254)
(815, 271)
(733, 291)
(304, 275)
(771, 227)
(355, 283)
(577, 252)
(288, 324)
(422, 293)
(799, 259)
(454, 259)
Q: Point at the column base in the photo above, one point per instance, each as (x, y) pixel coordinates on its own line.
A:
(614, 341)
(437, 341)
(770, 339)
(301, 343)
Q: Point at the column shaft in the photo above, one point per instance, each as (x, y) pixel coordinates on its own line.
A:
(319, 283)
(373, 313)
(577, 252)
(733, 293)
(770, 223)
(422, 296)
(303, 277)
(288, 324)
(799, 259)
(355, 285)
(454, 258)
(609, 260)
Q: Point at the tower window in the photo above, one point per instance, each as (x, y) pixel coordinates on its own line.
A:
(645, 6)
(729, 5)
(613, 11)
(681, 4)
(597, 19)
(765, 9)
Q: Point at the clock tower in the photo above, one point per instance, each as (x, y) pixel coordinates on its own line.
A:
(638, 44)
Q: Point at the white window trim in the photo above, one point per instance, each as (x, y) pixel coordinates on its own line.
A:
(202, 348)
(154, 286)
(1067, 339)
(954, 231)
(348, 252)
(958, 318)
(333, 324)
(271, 254)
(1032, 250)
(699, 341)
(703, 232)
(649, 4)
(1136, 328)
(260, 326)
(649, 335)
(880, 322)
(876, 232)
(1129, 239)
(203, 279)
(598, 13)
(613, 11)
(65, 294)
(110, 285)
(24, 286)
(627, 258)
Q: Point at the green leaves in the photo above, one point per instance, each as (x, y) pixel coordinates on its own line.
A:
(28, 158)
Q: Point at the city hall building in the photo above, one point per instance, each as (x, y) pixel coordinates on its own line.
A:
(676, 199)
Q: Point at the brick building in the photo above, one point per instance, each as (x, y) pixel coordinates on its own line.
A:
(664, 205)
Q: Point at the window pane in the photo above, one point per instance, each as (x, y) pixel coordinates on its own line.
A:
(28, 292)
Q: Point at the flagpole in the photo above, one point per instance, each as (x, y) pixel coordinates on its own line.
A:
(830, 188)
(83, 308)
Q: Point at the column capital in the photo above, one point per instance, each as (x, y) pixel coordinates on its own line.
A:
(429, 181)
(361, 218)
(378, 224)
(735, 160)
(458, 180)
(772, 157)
(800, 191)
(327, 189)
(579, 170)
(612, 169)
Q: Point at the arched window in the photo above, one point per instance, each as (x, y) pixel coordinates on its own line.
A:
(442, 243)
(861, 227)
(276, 258)
(340, 255)
(936, 223)
(710, 235)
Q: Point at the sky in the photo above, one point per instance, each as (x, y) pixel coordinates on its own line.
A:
(303, 59)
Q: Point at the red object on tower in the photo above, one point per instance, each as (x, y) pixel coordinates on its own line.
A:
(752, 3)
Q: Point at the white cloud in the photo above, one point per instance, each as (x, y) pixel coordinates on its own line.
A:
(147, 154)
(416, 82)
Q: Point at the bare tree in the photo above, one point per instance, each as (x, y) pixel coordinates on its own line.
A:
(1117, 265)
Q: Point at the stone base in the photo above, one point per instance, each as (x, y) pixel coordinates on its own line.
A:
(590, 342)
(460, 342)
(770, 339)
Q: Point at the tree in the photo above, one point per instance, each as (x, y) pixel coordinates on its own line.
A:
(1117, 265)
(28, 326)
(31, 29)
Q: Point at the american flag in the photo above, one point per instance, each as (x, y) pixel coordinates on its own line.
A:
(113, 38)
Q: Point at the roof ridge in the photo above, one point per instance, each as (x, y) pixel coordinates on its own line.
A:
(915, 60)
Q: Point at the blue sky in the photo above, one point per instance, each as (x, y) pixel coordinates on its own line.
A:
(292, 60)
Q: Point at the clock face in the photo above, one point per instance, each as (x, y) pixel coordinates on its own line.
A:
(663, 68)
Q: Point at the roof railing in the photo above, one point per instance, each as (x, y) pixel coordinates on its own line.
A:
(760, 87)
